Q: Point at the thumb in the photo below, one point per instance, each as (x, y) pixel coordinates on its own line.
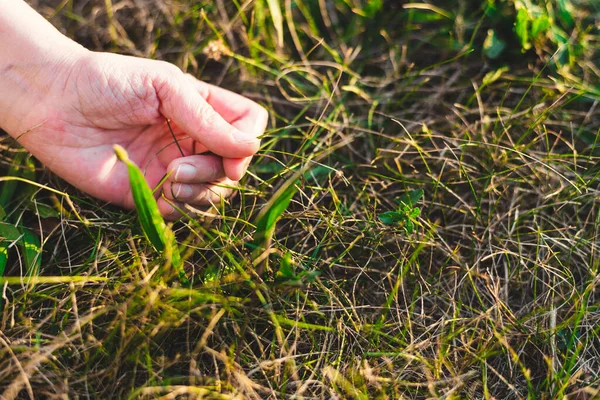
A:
(192, 113)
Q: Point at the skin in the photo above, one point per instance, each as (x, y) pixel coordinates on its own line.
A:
(68, 106)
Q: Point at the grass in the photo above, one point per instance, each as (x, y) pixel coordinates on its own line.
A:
(301, 287)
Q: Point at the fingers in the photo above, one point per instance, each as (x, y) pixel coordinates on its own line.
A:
(176, 195)
(221, 122)
(169, 209)
(239, 111)
(199, 194)
(235, 168)
(196, 169)
(195, 113)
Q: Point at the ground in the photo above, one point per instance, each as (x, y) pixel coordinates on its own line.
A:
(440, 242)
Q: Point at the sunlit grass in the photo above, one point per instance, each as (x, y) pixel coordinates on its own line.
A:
(310, 284)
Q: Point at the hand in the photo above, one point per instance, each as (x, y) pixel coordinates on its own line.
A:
(97, 100)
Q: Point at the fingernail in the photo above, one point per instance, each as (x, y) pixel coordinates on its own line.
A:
(185, 172)
(183, 192)
(244, 138)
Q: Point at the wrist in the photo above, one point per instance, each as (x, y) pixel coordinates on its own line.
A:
(35, 60)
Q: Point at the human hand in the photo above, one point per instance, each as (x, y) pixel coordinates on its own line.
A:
(96, 100)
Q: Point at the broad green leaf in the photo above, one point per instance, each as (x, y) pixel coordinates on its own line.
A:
(493, 46)
(522, 28)
(44, 210)
(275, 10)
(9, 232)
(151, 221)
(27, 241)
(2, 213)
(391, 217)
(411, 198)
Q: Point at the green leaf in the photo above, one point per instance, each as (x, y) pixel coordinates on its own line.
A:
(269, 215)
(372, 7)
(27, 241)
(151, 221)
(32, 252)
(410, 198)
(493, 76)
(275, 10)
(391, 217)
(565, 12)
(3, 257)
(522, 28)
(212, 273)
(9, 232)
(2, 213)
(285, 267)
(409, 226)
(540, 25)
(415, 213)
(493, 46)
(44, 210)
(491, 8)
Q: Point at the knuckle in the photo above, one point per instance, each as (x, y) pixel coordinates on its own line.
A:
(207, 115)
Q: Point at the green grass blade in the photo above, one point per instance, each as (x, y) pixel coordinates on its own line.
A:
(275, 9)
(151, 221)
(8, 188)
(3, 256)
(267, 219)
(32, 252)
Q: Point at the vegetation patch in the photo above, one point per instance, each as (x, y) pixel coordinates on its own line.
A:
(421, 221)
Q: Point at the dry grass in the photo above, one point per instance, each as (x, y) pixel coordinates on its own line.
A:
(495, 294)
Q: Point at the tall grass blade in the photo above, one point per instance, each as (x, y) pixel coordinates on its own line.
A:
(151, 221)
(275, 9)
(8, 188)
(3, 257)
(269, 215)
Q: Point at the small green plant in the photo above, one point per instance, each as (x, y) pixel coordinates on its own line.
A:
(159, 234)
(535, 27)
(11, 230)
(406, 215)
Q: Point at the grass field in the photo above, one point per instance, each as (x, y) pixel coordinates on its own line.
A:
(441, 240)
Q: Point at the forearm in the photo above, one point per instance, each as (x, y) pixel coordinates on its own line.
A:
(32, 55)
